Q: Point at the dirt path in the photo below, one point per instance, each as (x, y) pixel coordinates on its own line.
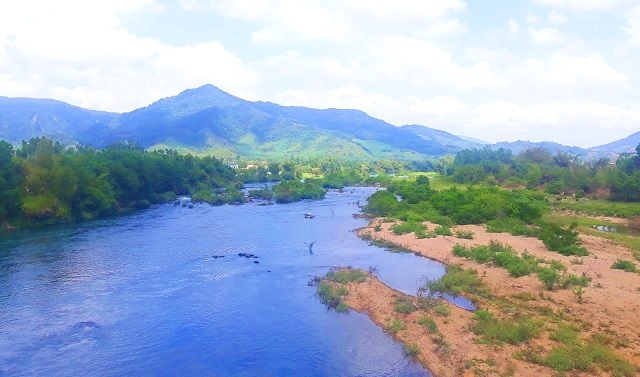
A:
(611, 303)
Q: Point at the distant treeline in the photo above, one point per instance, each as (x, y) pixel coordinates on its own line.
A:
(42, 182)
(555, 174)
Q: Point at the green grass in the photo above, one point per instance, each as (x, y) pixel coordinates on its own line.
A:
(429, 323)
(442, 231)
(457, 281)
(396, 325)
(500, 255)
(332, 296)
(404, 305)
(464, 234)
(511, 225)
(512, 330)
(411, 349)
(574, 354)
(442, 310)
(599, 207)
(625, 265)
(346, 275)
(407, 227)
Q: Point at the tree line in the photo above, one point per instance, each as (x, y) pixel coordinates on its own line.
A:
(42, 182)
(554, 173)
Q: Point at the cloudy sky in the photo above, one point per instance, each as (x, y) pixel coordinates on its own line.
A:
(560, 70)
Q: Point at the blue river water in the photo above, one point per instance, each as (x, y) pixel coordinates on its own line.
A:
(163, 292)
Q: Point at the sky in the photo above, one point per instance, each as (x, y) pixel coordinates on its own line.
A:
(499, 70)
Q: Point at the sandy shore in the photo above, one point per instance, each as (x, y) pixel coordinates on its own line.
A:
(611, 303)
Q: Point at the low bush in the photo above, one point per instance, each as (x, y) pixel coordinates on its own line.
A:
(396, 325)
(442, 231)
(332, 296)
(429, 323)
(511, 225)
(407, 227)
(500, 255)
(404, 305)
(625, 265)
(346, 275)
(411, 349)
(512, 331)
(464, 234)
(456, 281)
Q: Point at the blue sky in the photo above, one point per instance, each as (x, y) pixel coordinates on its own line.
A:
(558, 70)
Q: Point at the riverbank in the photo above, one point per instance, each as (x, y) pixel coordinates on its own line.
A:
(603, 314)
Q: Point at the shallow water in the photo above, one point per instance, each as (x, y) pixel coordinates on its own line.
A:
(150, 294)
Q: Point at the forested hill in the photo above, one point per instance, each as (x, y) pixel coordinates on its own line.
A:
(25, 118)
(210, 121)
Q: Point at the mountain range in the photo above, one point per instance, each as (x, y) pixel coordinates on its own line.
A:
(207, 120)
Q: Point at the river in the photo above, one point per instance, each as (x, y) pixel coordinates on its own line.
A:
(163, 292)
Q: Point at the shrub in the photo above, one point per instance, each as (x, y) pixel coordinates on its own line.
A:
(456, 281)
(429, 323)
(442, 231)
(346, 275)
(549, 277)
(411, 349)
(512, 331)
(332, 296)
(407, 227)
(511, 225)
(396, 325)
(500, 255)
(625, 265)
(442, 310)
(404, 305)
(464, 234)
(564, 241)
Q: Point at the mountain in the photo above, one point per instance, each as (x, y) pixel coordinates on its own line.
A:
(24, 118)
(520, 145)
(452, 143)
(209, 119)
(628, 144)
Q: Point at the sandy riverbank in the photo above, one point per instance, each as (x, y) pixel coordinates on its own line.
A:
(611, 303)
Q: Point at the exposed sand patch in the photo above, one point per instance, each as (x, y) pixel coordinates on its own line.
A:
(611, 303)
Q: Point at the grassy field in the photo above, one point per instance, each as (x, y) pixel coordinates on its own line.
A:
(595, 207)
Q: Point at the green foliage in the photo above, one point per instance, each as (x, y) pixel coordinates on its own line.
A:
(500, 255)
(511, 330)
(346, 275)
(429, 323)
(382, 203)
(442, 231)
(464, 234)
(293, 190)
(625, 265)
(332, 296)
(404, 305)
(411, 349)
(408, 227)
(574, 354)
(511, 225)
(549, 277)
(563, 240)
(396, 325)
(442, 310)
(457, 281)
(264, 193)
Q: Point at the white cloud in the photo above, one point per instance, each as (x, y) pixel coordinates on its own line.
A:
(549, 35)
(556, 18)
(584, 5)
(633, 28)
(514, 28)
(578, 72)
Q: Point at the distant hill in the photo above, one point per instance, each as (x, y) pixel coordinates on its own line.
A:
(519, 146)
(452, 143)
(207, 120)
(24, 118)
(628, 144)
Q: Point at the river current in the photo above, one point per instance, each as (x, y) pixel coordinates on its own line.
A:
(163, 292)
